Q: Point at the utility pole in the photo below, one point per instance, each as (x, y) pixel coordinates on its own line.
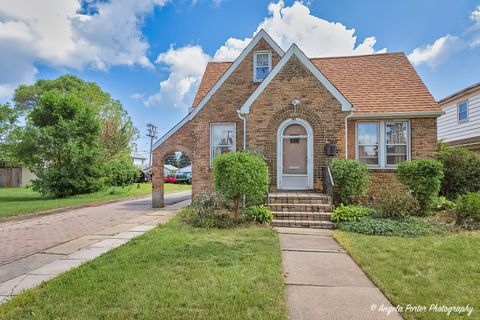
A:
(152, 133)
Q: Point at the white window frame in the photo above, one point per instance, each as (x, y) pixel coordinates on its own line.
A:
(382, 143)
(211, 136)
(269, 53)
(458, 111)
(357, 145)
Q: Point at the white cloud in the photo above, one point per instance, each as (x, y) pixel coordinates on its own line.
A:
(475, 17)
(56, 33)
(186, 66)
(295, 24)
(436, 53)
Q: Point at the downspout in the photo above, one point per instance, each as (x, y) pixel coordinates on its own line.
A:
(244, 129)
(239, 113)
(346, 133)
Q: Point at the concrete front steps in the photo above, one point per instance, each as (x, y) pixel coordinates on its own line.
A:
(301, 209)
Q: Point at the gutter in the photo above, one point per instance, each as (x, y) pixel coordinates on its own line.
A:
(415, 114)
(244, 118)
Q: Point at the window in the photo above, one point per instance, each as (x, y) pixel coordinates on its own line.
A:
(262, 63)
(222, 138)
(462, 111)
(396, 142)
(368, 138)
(382, 144)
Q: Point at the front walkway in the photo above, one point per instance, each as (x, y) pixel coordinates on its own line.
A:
(323, 282)
(40, 248)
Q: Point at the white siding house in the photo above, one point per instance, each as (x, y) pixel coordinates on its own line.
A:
(460, 125)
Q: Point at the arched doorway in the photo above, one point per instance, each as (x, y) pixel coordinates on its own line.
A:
(295, 155)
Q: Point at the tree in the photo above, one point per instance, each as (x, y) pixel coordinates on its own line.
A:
(183, 161)
(172, 160)
(8, 131)
(61, 144)
(117, 130)
(240, 173)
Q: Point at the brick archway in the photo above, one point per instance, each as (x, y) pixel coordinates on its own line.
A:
(159, 156)
(292, 112)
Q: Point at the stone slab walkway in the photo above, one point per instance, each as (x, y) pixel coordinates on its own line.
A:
(35, 260)
(323, 282)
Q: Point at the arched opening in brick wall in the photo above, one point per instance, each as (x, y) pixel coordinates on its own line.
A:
(171, 166)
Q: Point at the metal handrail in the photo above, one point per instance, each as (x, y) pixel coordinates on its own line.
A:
(328, 183)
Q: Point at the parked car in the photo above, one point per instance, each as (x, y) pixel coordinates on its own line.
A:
(171, 178)
(185, 177)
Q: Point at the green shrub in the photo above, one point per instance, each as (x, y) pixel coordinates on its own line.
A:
(407, 227)
(351, 178)
(395, 202)
(260, 214)
(423, 178)
(240, 173)
(442, 204)
(467, 209)
(121, 171)
(350, 213)
(461, 168)
(206, 211)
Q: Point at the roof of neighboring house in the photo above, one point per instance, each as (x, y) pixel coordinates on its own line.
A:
(169, 167)
(466, 90)
(185, 169)
(375, 83)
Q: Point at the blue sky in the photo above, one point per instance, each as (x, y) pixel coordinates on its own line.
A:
(130, 47)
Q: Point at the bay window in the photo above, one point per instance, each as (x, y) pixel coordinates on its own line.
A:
(222, 138)
(383, 144)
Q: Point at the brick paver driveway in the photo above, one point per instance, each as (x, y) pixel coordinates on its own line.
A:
(19, 239)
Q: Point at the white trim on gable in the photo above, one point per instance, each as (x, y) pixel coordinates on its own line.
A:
(260, 35)
(295, 51)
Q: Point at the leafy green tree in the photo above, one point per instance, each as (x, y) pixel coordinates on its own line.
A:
(121, 171)
(240, 173)
(61, 145)
(8, 131)
(172, 160)
(117, 130)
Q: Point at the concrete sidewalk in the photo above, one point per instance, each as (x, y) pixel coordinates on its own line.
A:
(323, 282)
(30, 271)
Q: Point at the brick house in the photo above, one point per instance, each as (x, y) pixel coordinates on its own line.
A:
(303, 112)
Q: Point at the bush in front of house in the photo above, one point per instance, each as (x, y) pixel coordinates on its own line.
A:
(206, 211)
(423, 178)
(344, 213)
(406, 227)
(395, 202)
(121, 171)
(260, 214)
(461, 169)
(351, 178)
(467, 209)
(442, 204)
(236, 174)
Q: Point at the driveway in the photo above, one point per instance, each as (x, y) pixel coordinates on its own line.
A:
(31, 239)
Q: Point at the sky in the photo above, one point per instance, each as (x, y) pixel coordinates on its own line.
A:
(150, 54)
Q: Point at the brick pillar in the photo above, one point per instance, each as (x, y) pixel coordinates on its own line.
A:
(157, 181)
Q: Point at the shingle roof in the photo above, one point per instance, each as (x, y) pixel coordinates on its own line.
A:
(376, 83)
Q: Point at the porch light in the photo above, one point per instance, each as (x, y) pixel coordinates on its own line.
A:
(295, 102)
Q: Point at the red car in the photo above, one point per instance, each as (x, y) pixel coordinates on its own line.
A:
(170, 178)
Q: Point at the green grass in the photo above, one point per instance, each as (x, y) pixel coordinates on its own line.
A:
(171, 272)
(18, 201)
(443, 270)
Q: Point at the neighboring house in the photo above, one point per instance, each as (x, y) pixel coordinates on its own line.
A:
(169, 169)
(187, 169)
(460, 125)
(301, 113)
(138, 160)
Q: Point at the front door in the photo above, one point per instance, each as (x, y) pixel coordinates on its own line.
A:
(295, 160)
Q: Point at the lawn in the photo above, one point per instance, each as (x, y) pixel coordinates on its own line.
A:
(18, 201)
(442, 270)
(171, 272)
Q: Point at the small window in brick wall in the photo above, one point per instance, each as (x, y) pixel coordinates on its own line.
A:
(262, 65)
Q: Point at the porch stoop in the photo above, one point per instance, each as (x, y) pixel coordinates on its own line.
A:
(301, 209)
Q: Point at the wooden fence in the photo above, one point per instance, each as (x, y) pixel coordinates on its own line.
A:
(10, 177)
